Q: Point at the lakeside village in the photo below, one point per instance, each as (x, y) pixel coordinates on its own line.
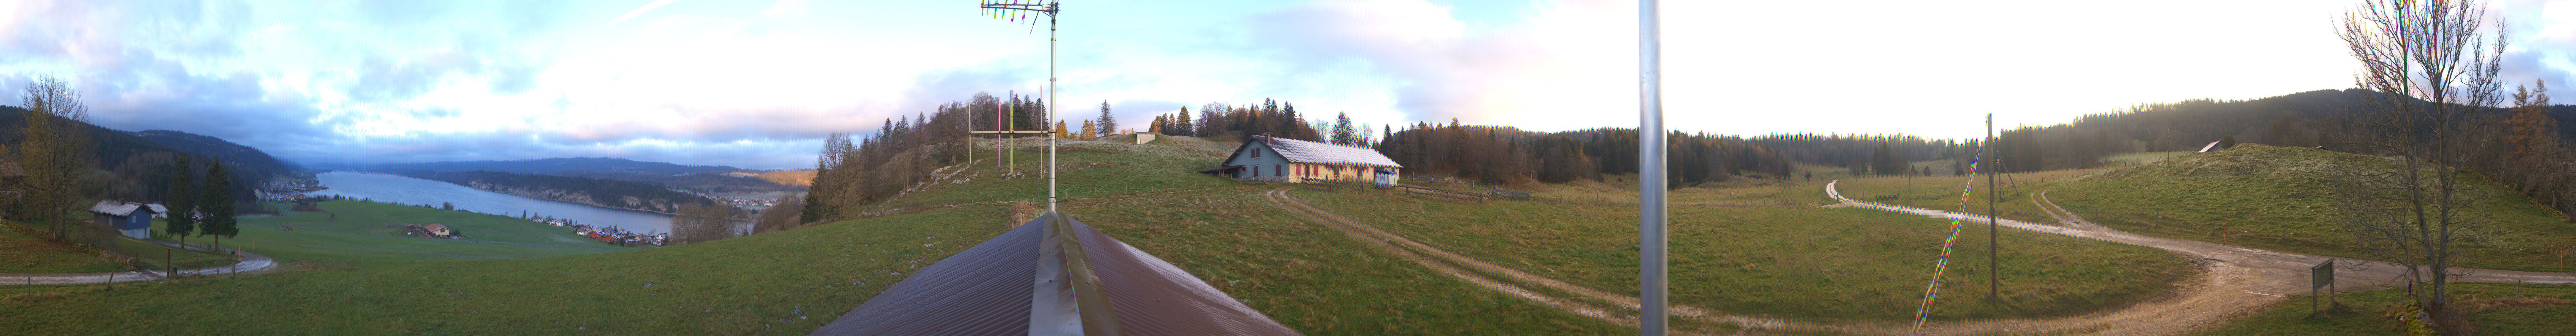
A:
(611, 235)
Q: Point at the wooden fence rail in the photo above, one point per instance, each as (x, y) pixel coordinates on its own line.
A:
(1439, 193)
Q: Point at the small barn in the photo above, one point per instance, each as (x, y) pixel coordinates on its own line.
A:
(131, 219)
(437, 231)
(1275, 159)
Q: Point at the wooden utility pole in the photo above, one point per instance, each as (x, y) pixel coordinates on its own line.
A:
(1993, 265)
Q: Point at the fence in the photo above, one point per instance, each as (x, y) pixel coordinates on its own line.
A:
(1500, 193)
(1438, 193)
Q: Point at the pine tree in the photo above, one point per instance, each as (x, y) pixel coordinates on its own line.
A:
(2530, 125)
(180, 199)
(1182, 123)
(1107, 123)
(218, 204)
(1342, 132)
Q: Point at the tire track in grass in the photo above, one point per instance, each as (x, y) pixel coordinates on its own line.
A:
(1451, 263)
(2235, 280)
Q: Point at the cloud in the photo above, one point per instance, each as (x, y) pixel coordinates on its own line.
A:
(2544, 46)
(752, 84)
(1531, 67)
(648, 7)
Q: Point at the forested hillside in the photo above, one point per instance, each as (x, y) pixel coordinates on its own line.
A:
(240, 160)
(2518, 145)
(867, 169)
(139, 162)
(1506, 155)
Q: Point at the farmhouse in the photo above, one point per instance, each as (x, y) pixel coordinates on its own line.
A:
(437, 231)
(131, 219)
(1274, 159)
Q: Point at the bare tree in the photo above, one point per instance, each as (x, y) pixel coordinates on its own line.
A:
(780, 215)
(58, 161)
(702, 222)
(2433, 70)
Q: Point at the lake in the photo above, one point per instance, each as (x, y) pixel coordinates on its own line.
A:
(389, 188)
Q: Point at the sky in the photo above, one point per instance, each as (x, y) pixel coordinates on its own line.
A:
(757, 84)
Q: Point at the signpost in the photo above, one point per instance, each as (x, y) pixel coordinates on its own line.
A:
(2320, 276)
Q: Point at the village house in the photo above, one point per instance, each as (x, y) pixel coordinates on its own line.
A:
(131, 219)
(1274, 159)
(437, 231)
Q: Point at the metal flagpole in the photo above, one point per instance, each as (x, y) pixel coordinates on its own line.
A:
(1051, 112)
(1650, 177)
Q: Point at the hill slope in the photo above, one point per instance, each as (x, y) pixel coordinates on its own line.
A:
(245, 160)
(2282, 198)
(789, 282)
(138, 156)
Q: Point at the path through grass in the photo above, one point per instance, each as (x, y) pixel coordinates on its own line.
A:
(2496, 309)
(1798, 262)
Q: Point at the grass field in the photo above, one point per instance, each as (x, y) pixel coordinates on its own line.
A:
(1737, 250)
(1101, 167)
(2495, 309)
(785, 283)
(1308, 277)
(145, 254)
(2253, 195)
(371, 233)
(29, 254)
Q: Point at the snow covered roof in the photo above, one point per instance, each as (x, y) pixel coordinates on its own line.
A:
(114, 207)
(157, 208)
(1302, 151)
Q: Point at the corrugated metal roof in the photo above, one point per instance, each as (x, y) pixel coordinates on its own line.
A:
(114, 207)
(986, 290)
(981, 291)
(1153, 297)
(1302, 151)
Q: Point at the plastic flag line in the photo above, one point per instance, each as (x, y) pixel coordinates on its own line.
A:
(1932, 291)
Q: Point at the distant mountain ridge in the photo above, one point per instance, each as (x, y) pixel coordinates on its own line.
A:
(558, 165)
(717, 179)
(251, 159)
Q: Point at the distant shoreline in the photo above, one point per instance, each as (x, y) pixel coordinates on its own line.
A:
(629, 224)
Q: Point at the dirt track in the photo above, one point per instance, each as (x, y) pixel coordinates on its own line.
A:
(250, 263)
(2235, 281)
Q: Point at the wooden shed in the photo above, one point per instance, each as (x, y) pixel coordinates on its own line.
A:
(1275, 159)
(130, 219)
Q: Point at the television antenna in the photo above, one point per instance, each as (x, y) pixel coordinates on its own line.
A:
(1019, 11)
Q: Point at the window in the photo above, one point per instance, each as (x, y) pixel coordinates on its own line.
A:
(1279, 169)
